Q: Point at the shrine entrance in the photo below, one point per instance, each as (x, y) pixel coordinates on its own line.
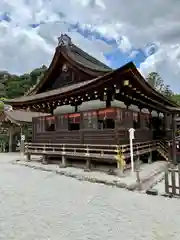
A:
(158, 128)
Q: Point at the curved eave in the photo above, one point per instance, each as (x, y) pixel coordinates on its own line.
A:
(68, 91)
(19, 116)
(47, 73)
(57, 93)
(148, 87)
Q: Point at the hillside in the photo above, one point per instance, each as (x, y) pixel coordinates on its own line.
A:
(12, 86)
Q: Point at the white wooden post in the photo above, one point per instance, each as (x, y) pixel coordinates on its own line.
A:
(131, 137)
(22, 144)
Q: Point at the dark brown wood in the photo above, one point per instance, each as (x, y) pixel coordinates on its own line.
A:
(90, 131)
(166, 178)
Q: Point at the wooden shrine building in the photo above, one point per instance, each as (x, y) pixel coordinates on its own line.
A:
(93, 105)
(14, 123)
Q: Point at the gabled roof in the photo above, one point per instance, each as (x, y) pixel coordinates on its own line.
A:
(76, 57)
(86, 60)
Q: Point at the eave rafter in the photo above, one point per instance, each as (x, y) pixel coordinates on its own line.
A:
(120, 90)
(120, 84)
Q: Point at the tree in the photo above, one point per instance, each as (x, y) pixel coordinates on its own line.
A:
(168, 92)
(1, 106)
(155, 80)
(176, 98)
(12, 86)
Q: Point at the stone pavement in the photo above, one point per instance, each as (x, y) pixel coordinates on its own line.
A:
(148, 173)
(39, 205)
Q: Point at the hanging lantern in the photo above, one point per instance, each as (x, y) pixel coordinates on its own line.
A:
(126, 82)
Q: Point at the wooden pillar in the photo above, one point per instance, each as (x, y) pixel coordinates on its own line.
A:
(173, 139)
(140, 118)
(108, 102)
(165, 122)
(10, 139)
(166, 125)
(76, 108)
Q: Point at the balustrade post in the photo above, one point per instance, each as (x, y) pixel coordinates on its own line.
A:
(87, 151)
(63, 163)
(102, 153)
(63, 150)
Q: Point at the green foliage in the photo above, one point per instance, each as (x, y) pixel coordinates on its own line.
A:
(157, 82)
(12, 86)
(1, 106)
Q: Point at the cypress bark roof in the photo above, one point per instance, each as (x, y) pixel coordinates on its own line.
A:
(19, 116)
(80, 59)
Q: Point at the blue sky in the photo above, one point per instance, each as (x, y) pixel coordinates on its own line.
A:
(116, 57)
(115, 34)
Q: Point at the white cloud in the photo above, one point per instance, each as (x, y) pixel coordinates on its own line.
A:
(133, 24)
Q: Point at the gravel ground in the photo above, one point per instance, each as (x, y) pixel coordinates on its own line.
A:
(39, 205)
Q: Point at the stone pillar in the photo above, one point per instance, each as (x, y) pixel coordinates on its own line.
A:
(173, 138)
(150, 157)
(28, 157)
(88, 164)
(63, 163)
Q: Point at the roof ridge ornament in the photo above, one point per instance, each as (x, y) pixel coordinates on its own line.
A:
(64, 40)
